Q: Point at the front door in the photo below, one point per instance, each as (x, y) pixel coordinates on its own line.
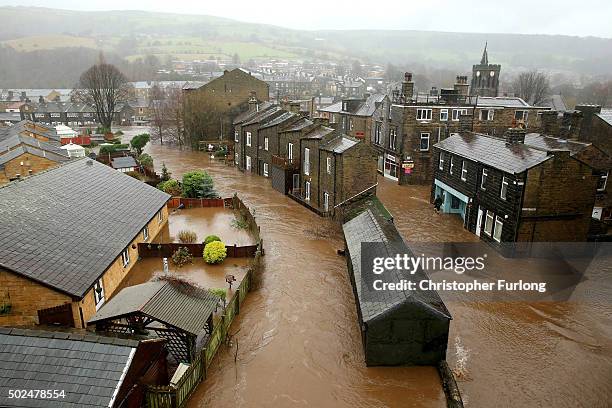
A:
(296, 182)
(479, 221)
(325, 202)
(248, 163)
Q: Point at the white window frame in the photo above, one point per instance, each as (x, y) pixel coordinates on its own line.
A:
(441, 161)
(236, 158)
(499, 227)
(483, 178)
(307, 191)
(452, 165)
(328, 165)
(99, 298)
(265, 169)
(125, 257)
(248, 163)
(236, 136)
(266, 144)
(464, 170)
(503, 192)
(145, 233)
(248, 139)
(160, 216)
(290, 151)
(377, 132)
(326, 201)
(525, 115)
(424, 136)
(457, 113)
(393, 138)
(306, 161)
(489, 115)
(423, 114)
(443, 115)
(488, 227)
(605, 181)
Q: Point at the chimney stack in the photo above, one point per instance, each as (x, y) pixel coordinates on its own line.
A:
(570, 124)
(10, 95)
(549, 123)
(253, 104)
(515, 136)
(461, 85)
(407, 87)
(465, 123)
(41, 99)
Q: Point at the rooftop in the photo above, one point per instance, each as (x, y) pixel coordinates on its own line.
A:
(90, 369)
(606, 116)
(65, 226)
(340, 144)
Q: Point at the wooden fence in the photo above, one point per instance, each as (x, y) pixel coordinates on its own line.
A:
(174, 202)
(176, 396)
(154, 250)
(61, 315)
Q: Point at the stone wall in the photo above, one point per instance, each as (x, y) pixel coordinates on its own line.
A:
(31, 162)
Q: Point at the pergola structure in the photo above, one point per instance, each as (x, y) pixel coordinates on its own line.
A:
(174, 310)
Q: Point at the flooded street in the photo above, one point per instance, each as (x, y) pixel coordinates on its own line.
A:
(298, 343)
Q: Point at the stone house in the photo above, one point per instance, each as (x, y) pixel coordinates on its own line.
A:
(520, 188)
(334, 168)
(72, 113)
(254, 108)
(251, 141)
(268, 140)
(354, 115)
(27, 148)
(69, 239)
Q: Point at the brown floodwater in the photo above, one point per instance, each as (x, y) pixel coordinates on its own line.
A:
(298, 342)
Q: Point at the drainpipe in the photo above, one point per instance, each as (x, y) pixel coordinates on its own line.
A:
(319, 176)
(335, 178)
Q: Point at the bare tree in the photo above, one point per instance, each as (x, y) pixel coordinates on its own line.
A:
(167, 116)
(105, 87)
(532, 86)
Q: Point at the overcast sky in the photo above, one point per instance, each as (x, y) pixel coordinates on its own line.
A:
(571, 17)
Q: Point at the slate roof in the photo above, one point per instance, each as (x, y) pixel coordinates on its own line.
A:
(175, 303)
(501, 101)
(24, 148)
(28, 127)
(262, 115)
(550, 143)
(556, 103)
(20, 139)
(248, 115)
(371, 227)
(340, 144)
(319, 132)
(299, 125)
(65, 226)
(494, 152)
(367, 107)
(606, 116)
(89, 368)
(123, 162)
(286, 116)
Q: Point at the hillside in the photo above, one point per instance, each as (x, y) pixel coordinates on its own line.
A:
(28, 33)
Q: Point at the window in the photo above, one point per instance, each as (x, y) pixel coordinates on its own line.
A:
(441, 162)
(326, 201)
(452, 165)
(265, 169)
(236, 158)
(464, 170)
(145, 233)
(306, 161)
(307, 191)
(248, 139)
(486, 114)
(424, 142)
(351, 124)
(444, 115)
(265, 143)
(160, 217)
(98, 293)
(377, 133)
(499, 226)
(504, 188)
(423, 114)
(602, 182)
(125, 257)
(392, 138)
(329, 169)
(521, 115)
(290, 151)
(488, 227)
(248, 163)
(458, 112)
(236, 134)
(483, 180)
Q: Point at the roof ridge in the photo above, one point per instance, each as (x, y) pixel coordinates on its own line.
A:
(69, 335)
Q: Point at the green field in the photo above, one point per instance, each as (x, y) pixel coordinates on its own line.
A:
(51, 41)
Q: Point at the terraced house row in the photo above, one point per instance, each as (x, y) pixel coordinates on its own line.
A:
(317, 164)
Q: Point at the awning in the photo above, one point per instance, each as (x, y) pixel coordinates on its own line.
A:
(451, 190)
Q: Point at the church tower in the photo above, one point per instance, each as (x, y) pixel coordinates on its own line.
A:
(485, 77)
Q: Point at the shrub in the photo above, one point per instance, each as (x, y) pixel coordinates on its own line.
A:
(172, 187)
(145, 160)
(240, 223)
(222, 293)
(187, 237)
(198, 184)
(112, 148)
(215, 252)
(139, 142)
(211, 238)
(134, 174)
(182, 257)
(165, 174)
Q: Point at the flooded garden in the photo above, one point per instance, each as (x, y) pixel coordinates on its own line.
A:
(297, 343)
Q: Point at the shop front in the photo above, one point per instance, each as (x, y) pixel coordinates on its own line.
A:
(392, 164)
(453, 201)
